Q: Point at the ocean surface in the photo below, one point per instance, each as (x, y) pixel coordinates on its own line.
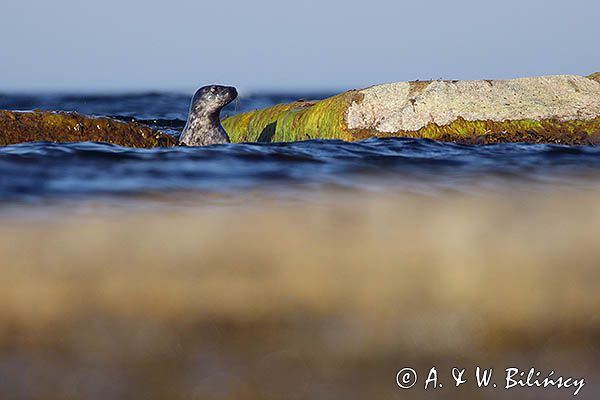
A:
(39, 173)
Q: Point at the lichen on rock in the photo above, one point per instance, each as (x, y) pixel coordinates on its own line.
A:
(391, 108)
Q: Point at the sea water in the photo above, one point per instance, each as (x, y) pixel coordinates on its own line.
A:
(49, 172)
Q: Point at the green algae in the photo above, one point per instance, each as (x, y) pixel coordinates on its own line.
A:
(64, 127)
(294, 121)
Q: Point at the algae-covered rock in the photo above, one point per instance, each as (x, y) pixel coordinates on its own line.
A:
(18, 127)
(551, 109)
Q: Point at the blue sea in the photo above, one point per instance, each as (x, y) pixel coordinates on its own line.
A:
(44, 172)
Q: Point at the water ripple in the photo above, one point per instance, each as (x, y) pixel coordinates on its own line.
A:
(49, 170)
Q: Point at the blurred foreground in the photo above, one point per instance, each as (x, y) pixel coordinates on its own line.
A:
(302, 301)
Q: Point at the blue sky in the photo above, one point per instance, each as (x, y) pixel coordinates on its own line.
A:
(120, 45)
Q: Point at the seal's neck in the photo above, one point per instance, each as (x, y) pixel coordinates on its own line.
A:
(203, 127)
(204, 115)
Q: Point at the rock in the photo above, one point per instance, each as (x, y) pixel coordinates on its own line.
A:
(18, 127)
(552, 109)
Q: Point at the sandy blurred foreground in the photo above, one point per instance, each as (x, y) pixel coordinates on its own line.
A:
(302, 301)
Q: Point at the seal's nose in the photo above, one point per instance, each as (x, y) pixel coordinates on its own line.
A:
(233, 91)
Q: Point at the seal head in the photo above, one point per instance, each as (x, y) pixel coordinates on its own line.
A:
(203, 125)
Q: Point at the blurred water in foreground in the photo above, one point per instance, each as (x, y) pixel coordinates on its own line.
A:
(305, 301)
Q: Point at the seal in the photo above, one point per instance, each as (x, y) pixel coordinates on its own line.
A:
(203, 126)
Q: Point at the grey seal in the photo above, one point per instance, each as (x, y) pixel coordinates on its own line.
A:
(203, 126)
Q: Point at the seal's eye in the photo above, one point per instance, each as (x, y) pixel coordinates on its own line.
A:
(212, 89)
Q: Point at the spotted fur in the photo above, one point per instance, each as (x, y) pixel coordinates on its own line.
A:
(203, 125)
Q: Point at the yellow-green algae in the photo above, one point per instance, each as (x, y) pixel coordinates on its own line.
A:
(294, 121)
(326, 120)
(485, 132)
(595, 76)
(19, 127)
